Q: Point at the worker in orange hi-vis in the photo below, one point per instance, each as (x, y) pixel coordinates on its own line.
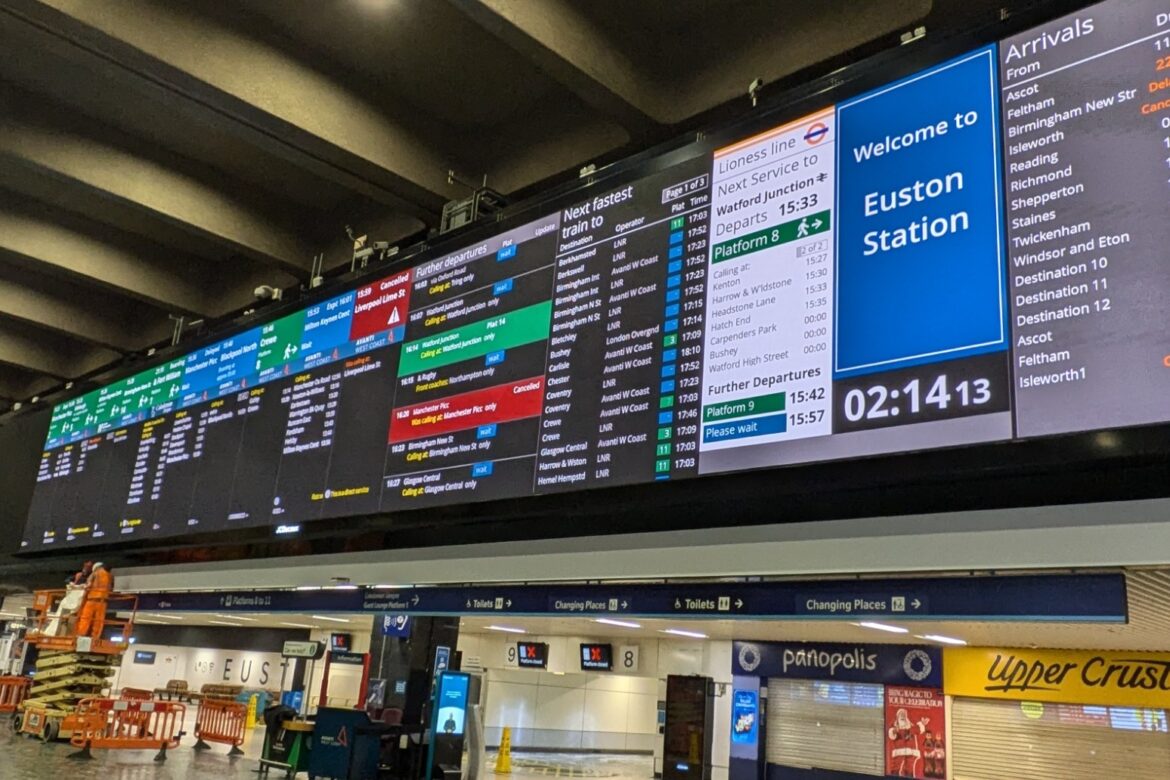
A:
(97, 593)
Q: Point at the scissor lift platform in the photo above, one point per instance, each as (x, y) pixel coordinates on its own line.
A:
(70, 668)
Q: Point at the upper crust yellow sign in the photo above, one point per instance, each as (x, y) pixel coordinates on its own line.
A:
(1123, 678)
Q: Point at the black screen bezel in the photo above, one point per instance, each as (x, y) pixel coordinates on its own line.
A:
(950, 477)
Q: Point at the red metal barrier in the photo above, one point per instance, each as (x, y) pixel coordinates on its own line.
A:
(221, 721)
(12, 692)
(118, 724)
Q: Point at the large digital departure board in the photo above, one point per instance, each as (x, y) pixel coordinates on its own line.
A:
(969, 254)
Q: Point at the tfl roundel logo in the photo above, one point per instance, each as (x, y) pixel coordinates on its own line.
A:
(917, 665)
(816, 133)
(749, 657)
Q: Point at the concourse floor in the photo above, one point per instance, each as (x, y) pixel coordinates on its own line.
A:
(22, 758)
(582, 766)
(28, 759)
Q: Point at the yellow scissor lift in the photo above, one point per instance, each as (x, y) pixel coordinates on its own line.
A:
(70, 668)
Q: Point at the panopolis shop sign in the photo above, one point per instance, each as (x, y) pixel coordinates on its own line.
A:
(1136, 679)
(888, 664)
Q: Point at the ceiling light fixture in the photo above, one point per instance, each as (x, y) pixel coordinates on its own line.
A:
(507, 630)
(687, 634)
(943, 640)
(330, 619)
(166, 617)
(618, 623)
(238, 617)
(884, 627)
(376, 6)
(391, 587)
(308, 587)
(223, 623)
(297, 625)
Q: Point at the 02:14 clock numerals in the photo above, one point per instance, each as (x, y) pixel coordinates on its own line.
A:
(879, 401)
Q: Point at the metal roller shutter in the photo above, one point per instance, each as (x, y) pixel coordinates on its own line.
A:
(823, 725)
(992, 740)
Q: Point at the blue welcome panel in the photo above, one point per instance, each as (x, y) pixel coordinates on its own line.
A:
(920, 247)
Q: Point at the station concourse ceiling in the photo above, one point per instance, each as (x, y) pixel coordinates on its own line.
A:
(162, 159)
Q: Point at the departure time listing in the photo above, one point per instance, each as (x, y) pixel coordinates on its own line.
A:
(767, 376)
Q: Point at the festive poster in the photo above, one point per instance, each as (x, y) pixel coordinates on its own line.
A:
(916, 732)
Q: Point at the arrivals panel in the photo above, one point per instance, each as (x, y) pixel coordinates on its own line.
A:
(972, 253)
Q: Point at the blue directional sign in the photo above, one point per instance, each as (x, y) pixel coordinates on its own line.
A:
(1063, 598)
(396, 626)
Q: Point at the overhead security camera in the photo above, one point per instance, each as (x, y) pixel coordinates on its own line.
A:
(754, 91)
(268, 293)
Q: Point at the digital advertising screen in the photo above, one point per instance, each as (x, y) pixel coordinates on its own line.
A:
(967, 254)
(451, 706)
(745, 717)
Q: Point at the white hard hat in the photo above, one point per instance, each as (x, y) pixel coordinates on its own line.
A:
(99, 565)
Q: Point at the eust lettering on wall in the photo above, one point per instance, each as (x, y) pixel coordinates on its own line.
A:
(203, 667)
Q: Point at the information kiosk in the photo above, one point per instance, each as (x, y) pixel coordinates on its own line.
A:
(449, 725)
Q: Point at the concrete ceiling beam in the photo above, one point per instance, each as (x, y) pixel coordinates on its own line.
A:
(166, 191)
(560, 41)
(17, 384)
(271, 97)
(87, 317)
(787, 43)
(53, 356)
(83, 253)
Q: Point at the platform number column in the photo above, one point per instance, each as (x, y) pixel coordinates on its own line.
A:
(676, 453)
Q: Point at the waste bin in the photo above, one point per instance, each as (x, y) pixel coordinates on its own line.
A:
(288, 743)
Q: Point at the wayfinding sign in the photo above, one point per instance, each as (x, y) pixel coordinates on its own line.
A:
(293, 649)
(1061, 598)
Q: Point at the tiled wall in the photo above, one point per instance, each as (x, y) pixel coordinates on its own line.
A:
(572, 711)
(542, 706)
